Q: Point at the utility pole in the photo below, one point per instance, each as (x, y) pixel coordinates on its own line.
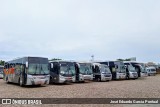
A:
(92, 60)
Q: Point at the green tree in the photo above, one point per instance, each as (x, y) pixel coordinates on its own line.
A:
(2, 62)
(123, 59)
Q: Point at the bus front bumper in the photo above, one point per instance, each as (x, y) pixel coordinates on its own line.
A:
(37, 80)
(133, 75)
(106, 78)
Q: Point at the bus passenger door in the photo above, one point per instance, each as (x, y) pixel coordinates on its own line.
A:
(77, 73)
(24, 75)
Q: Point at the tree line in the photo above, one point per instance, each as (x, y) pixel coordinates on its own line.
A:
(2, 62)
(123, 59)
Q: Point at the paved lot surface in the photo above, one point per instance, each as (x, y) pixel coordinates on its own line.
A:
(148, 87)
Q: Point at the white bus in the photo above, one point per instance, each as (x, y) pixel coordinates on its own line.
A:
(27, 71)
(139, 67)
(61, 71)
(151, 70)
(101, 72)
(85, 68)
(117, 69)
(1, 71)
(131, 72)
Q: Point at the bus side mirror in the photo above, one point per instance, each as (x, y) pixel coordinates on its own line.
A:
(26, 64)
(51, 65)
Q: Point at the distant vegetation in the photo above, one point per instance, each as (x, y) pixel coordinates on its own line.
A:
(123, 59)
(54, 59)
(2, 62)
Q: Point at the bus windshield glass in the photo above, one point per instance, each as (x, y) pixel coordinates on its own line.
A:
(142, 68)
(67, 69)
(38, 69)
(131, 68)
(72, 69)
(123, 69)
(85, 69)
(104, 69)
(38, 66)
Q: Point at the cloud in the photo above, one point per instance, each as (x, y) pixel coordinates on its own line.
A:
(77, 29)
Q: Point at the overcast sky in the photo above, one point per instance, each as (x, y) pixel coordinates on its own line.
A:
(77, 29)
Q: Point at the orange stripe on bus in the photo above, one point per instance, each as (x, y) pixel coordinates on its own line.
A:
(9, 71)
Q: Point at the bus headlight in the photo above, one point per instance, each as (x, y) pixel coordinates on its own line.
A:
(61, 77)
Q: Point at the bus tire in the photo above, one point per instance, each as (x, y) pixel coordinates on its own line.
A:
(7, 80)
(50, 80)
(20, 82)
(98, 79)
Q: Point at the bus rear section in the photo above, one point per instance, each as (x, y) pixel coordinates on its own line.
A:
(61, 71)
(101, 72)
(85, 69)
(1, 72)
(27, 71)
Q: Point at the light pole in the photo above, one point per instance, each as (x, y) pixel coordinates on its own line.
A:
(92, 58)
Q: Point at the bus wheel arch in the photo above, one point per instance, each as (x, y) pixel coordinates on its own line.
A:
(98, 78)
(51, 79)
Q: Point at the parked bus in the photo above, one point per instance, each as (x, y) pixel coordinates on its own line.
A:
(85, 69)
(27, 71)
(101, 72)
(140, 69)
(117, 70)
(78, 77)
(61, 71)
(131, 72)
(151, 70)
(1, 71)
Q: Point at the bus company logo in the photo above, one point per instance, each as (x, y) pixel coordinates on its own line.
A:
(6, 101)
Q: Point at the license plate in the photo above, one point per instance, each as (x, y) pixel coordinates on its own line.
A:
(69, 78)
(39, 82)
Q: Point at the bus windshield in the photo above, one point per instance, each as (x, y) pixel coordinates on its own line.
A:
(86, 69)
(121, 69)
(104, 69)
(131, 68)
(67, 69)
(38, 69)
(142, 68)
(72, 70)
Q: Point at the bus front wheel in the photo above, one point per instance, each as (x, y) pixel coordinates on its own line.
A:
(7, 80)
(20, 82)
